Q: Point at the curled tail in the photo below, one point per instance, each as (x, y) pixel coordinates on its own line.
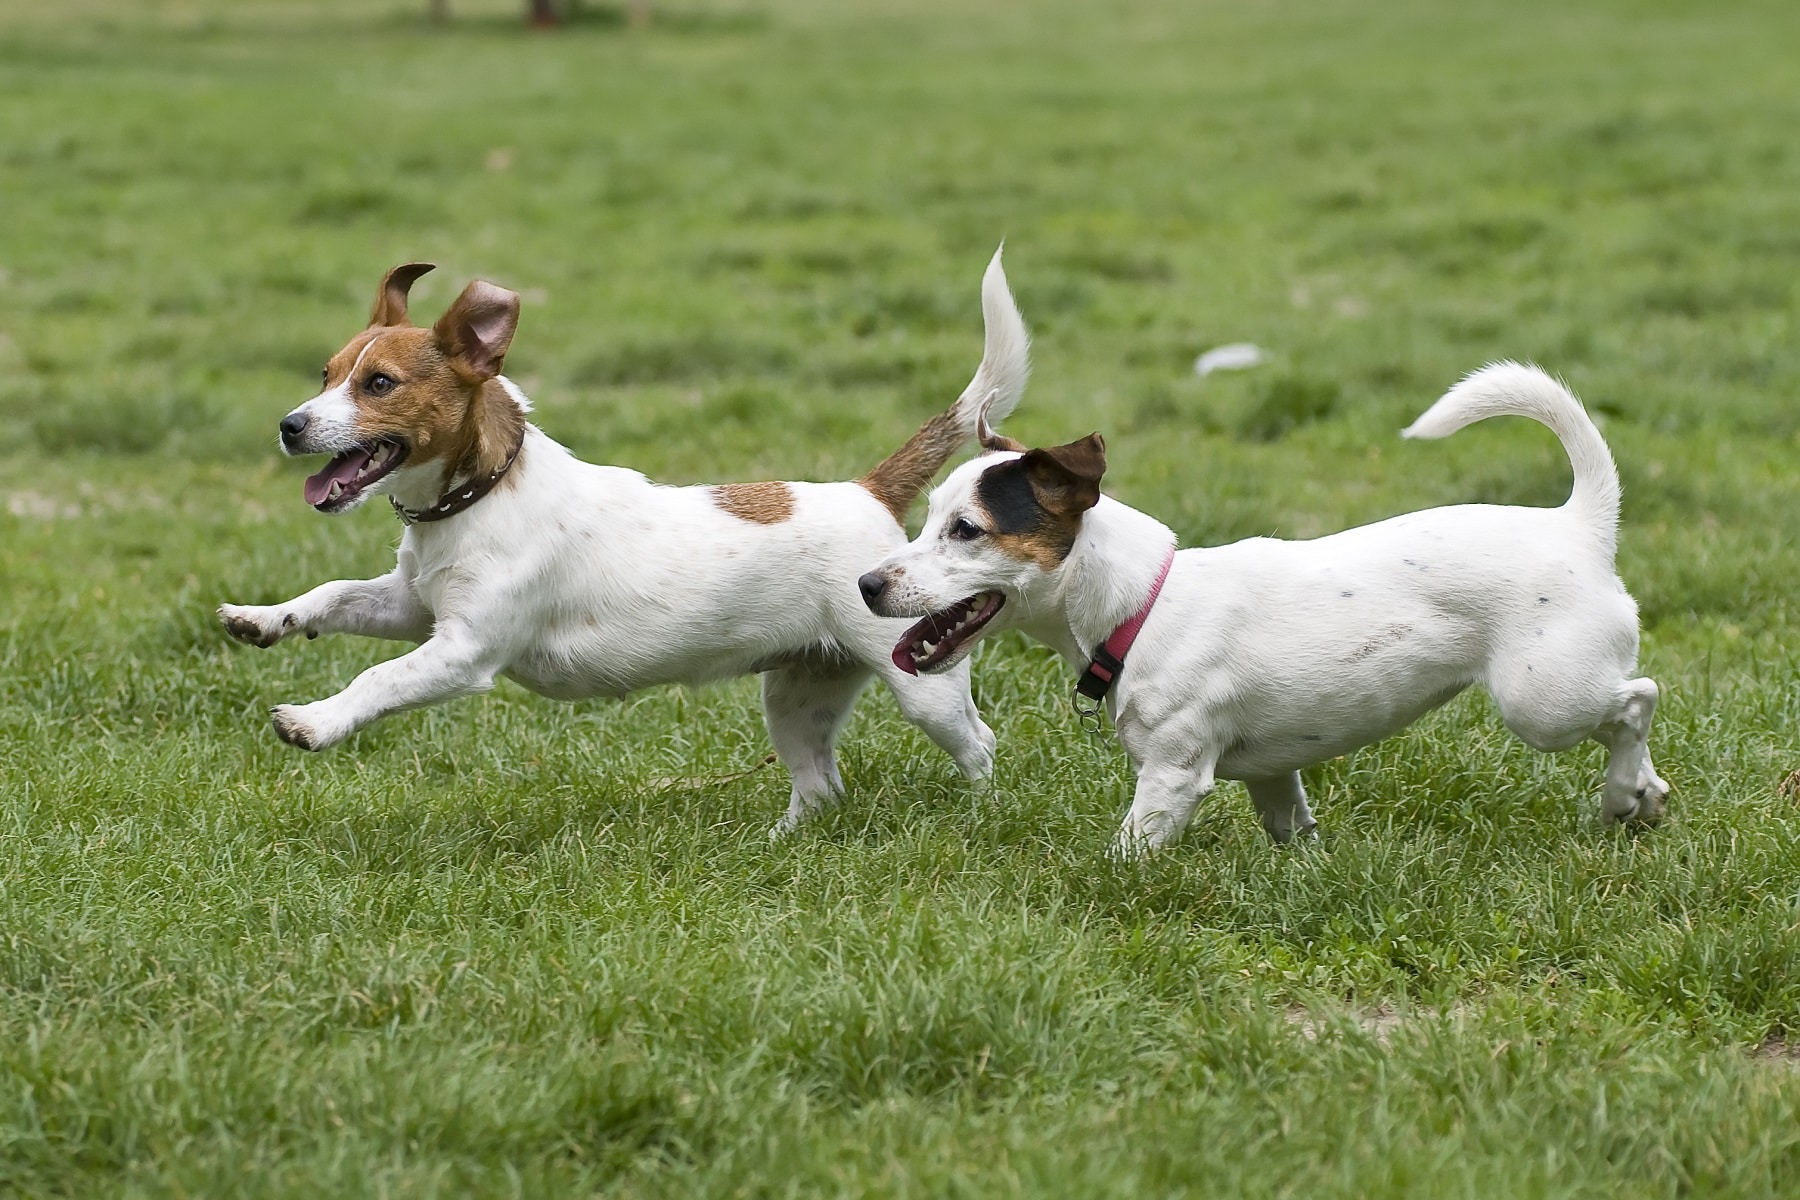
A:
(998, 383)
(1513, 389)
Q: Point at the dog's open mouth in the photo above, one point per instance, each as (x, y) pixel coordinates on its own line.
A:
(937, 639)
(349, 474)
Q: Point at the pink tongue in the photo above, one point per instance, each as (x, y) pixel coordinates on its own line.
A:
(342, 469)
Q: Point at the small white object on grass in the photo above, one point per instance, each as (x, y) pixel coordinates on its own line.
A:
(1237, 356)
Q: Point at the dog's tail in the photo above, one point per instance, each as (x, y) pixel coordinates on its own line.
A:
(1513, 389)
(998, 383)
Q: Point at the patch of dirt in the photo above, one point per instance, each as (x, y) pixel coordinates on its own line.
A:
(1379, 1023)
(1778, 1051)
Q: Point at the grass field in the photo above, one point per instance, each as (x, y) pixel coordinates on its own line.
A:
(513, 947)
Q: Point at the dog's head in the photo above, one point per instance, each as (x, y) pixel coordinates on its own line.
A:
(996, 535)
(398, 395)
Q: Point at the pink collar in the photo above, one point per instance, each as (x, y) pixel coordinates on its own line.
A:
(1109, 656)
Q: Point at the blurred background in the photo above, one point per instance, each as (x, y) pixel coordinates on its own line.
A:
(749, 234)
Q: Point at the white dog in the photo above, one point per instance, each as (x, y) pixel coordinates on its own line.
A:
(579, 580)
(1264, 656)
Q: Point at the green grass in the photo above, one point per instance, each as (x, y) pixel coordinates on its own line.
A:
(513, 947)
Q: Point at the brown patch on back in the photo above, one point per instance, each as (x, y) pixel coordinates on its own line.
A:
(905, 473)
(764, 503)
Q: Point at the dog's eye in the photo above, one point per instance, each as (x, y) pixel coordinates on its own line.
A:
(965, 530)
(379, 384)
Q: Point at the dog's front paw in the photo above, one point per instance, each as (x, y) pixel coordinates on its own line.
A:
(257, 626)
(297, 727)
(1643, 808)
(805, 806)
(1302, 835)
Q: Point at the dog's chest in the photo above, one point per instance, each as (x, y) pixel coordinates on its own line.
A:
(426, 579)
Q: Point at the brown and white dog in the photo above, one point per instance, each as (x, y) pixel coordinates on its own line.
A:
(579, 580)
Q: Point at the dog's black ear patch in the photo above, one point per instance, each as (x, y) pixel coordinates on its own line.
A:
(1005, 492)
(1060, 481)
(1035, 502)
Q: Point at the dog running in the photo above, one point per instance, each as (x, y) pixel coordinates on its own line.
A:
(579, 580)
(1252, 660)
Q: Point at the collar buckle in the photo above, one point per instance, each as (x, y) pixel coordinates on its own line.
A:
(1087, 704)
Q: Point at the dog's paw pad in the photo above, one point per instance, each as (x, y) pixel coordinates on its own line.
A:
(244, 629)
(292, 730)
(1653, 803)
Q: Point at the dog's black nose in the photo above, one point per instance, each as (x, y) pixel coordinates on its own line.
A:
(871, 586)
(293, 424)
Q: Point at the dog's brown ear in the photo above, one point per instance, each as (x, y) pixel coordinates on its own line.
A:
(477, 329)
(390, 301)
(1066, 479)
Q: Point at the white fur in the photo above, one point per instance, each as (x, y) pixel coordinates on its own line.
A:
(1265, 656)
(579, 580)
(331, 415)
(1005, 353)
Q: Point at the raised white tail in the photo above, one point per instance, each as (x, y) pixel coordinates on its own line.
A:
(1005, 354)
(999, 382)
(1510, 389)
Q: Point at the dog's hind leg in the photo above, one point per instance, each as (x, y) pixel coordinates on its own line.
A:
(1634, 793)
(943, 707)
(805, 711)
(1557, 692)
(1163, 804)
(1280, 802)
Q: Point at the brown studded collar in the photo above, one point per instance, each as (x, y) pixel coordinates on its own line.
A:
(451, 503)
